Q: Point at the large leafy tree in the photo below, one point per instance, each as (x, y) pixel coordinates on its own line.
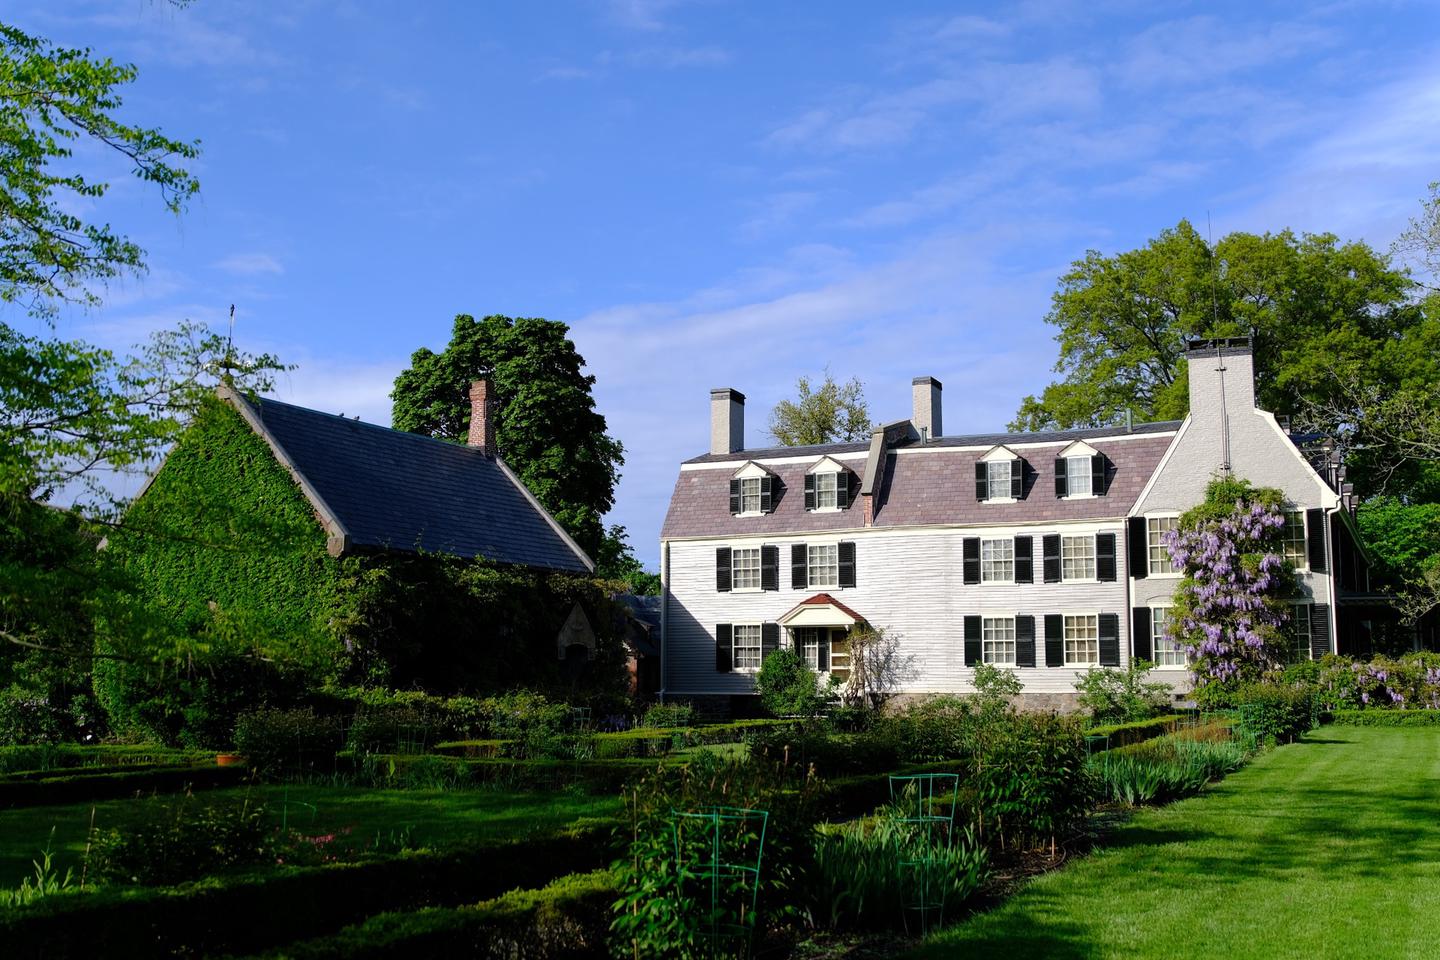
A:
(1324, 314)
(829, 413)
(547, 427)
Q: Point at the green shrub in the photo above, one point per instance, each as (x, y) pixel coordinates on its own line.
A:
(1386, 718)
(1164, 769)
(112, 784)
(1024, 780)
(831, 754)
(932, 729)
(668, 715)
(276, 741)
(183, 841)
(788, 687)
(1122, 696)
(1124, 734)
(1408, 681)
(1276, 714)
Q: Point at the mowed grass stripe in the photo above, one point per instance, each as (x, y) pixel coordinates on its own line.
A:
(1326, 848)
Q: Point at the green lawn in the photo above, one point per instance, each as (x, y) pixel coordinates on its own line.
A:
(434, 817)
(1329, 848)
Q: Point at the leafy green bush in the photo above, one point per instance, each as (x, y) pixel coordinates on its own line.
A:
(1411, 681)
(1024, 779)
(668, 715)
(1124, 734)
(276, 741)
(1276, 714)
(1386, 718)
(788, 687)
(932, 729)
(183, 841)
(1122, 696)
(865, 870)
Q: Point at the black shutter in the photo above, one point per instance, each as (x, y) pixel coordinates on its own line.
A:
(1024, 641)
(1109, 640)
(1050, 557)
(799, 574)
(972, 641)
(1098, 474)
(982, 481)
(767, 494)
(1137, 547)
(970, 554)
(1017, 479)
(846, 555)
(1054, 640)
(1315, 538)
(722, 648)
(1319, 630)
(1024, 559)
(769, 639)
(1105, 557)
(769, 568)
(842, 489)
(1062, 486)
(1140, 623)
(722, 569)
(809, 491)
(734, 496)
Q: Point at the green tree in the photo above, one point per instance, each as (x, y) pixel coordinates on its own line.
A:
(832, 413)
(615, 560)
(1404, 542)
(1321, 311)
(1420, 241)
(547, 427)
(789, 688)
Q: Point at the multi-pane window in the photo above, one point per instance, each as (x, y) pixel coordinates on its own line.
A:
(997, 637)
(825, 487)
(1077, 558)
(746, 646)
(1155, 530)
(997, 473)
(745, 569)
(1298, 631)
(1082, 640)
(807, 644)
(750, 495)
(1293, 538)
(1077, 476)
(1167, 651)
(997, 561)
(824, 564)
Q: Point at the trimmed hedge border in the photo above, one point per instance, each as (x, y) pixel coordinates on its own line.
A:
(568, 918)
(1386, 717)
(82, 787)
(57, 758)
(1124, 734)
(255, 912)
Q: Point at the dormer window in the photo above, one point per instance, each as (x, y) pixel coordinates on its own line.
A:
(1078, 474)
(827, 486)
(999, 476)
(753, 491)
(750, 495)
(1081, 471)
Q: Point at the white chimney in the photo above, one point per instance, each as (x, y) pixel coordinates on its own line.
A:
(925, 406)
(727, 420)
(1222, 387)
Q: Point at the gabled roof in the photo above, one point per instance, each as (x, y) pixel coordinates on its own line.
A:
(378, 488)
(820, 601)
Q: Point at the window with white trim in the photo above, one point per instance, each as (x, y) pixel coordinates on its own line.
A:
(745, 568)
(1292, 539)
(1082, 640)
(997, 474)
(1167, 651)
(1297, 631)
(997, 560)
(1077, 557)
(1158, 553)
(826, 484)
(745, 646)
(1077, 476)
(750, 495)
(997, 639)
(823, 567)
(807, 644)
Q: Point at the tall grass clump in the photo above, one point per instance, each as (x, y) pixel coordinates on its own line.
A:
(1166, 768)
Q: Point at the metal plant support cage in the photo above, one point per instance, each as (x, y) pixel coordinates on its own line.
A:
(917, 797)
(718, 854)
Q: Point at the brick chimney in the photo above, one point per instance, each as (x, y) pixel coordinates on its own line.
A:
(727, 420)
(482, 418)
(925, 406)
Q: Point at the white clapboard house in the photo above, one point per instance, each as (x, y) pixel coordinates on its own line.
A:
(1039, 552)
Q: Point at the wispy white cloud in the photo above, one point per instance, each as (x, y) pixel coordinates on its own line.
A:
(249, 264)
(1205, 49)
(645, 15)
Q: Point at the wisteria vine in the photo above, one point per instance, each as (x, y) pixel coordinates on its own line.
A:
(1233, 602)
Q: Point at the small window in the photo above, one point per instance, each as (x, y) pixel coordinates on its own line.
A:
(745, 569)
(997, 473)
(997, 636)
(824, 565)
(825, 486)
(1155, 530)
(1082, 640)
(1293, 539)
(746, 646)
(1077, 476)
(1298, 632)
(750, 495)
(1167, 651)
(807, 644)
(1077, 558)
(997, 561)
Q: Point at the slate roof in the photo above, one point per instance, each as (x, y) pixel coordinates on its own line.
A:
(392, 490)
(925, 486)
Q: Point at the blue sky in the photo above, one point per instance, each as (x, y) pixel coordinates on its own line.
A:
(728, 194)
